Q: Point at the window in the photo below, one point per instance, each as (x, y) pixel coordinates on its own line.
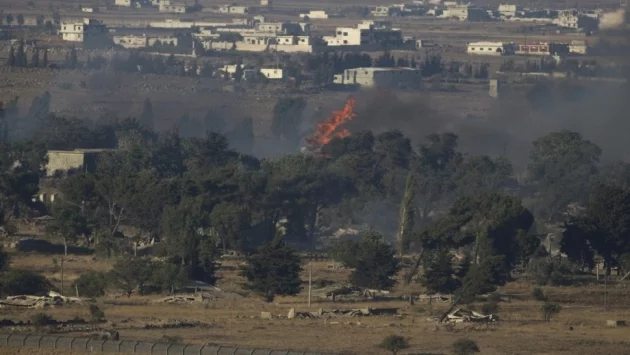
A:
(345, 42)
(339, 33)
(345, 33)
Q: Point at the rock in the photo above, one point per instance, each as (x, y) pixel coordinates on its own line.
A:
(265, 315)
(291, 314)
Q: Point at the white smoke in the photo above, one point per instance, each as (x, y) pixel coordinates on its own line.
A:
(612, 20)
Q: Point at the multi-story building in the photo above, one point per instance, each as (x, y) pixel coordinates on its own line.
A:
(366, 33)
(233, 9)
(314, 15)
(542, 48)
(465, 13)
(167, 6)
(576, 20)
(124, 3)
(508, 11)
(82, 31)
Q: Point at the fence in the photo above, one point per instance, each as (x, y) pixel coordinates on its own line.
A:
(132, 347)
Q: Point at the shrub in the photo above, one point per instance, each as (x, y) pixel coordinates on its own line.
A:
(550, 272)
(465, 347)
(490, 307)
(345, 252)
(394, 343)
(549, 310)
(96, 313)
(42, 319)
(538, 294)
(91, 284)
(24, 282)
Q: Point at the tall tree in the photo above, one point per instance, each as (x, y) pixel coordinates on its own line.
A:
(11, 59)
(45, 59)
(35, 58)
(9, 19)
(376, 263)
(604, 228)
(146, 117)
(406, 215)
(561, 167)
(20, 19)
(274, 270)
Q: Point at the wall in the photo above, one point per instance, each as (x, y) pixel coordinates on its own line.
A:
(58, 160)
(130, 347)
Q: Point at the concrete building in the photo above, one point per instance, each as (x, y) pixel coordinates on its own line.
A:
(381, 11)
(273, 74)
(380, 77)
(465, 13)
(314, 15)
(130, 41)
(123, 3)
(89, 9)
(366, 33)
(287, 28)
(578, 47)
(576, 20)
(168, 7)
(62, 161)
(233, 9)
(82, 31)
(490, 48)
(508, 11)
(266, 3)
(542, 48)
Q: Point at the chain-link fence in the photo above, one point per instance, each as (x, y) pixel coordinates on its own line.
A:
(132, 347)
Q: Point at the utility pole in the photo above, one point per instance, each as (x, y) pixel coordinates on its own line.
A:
(62, 274)
(310, 280)
(605, 289)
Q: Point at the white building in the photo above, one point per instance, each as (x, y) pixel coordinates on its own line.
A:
(490, 48)
(125, 3)
(168, 7)
(366, 33)
(233, 9)
(508, 11)
(380, 77)
(576, 20)
(380, 11)
(89, 9)
(465, 13)
(130, 41)
(578, 47)
(266, 3)
(314, 15)
(82, 31)
(273, 74)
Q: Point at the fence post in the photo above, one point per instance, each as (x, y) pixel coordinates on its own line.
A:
(184, 349)
(203, 347)
(39, 342)
(102, 344)
(168, 347)
(119, 344)
(153, 346)
(56, 340)
(135, 346)
(9, 337)
(71, 342)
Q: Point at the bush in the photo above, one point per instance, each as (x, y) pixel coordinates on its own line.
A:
(394, 343)
(490, 307)
(549, 310)
(550, 272)
(96, 313)
(42, 319)
(538, 294)
(24, 282)
(91, 284)
(465, 347)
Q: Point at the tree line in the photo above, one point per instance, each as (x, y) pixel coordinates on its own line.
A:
(465, 220)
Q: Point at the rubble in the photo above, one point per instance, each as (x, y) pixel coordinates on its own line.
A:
(29, 301)
(348, 292)
(357, 312)
(460, 315)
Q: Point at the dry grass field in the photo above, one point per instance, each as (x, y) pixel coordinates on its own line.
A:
(578, 329)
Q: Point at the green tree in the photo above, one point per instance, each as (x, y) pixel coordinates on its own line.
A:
(394, 343)
(406, 216)
(68, 223)
(439, 274)
(169, 276)
(11, 60)
(40, 20)
(24, 282)
(562, 166)
(45, 59)
(91, 284)
(9, 19)
(72, 64)
(20, 19)
(146, 116)
(604, 228)
(346, 252)
(35, 58)
(231, 223)
(130, 274)
(376, 263)
(274, 270)
(549, 310)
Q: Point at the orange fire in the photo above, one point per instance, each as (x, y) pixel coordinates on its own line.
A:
(328, 129)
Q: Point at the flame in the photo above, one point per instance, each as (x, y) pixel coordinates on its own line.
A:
(328, 129)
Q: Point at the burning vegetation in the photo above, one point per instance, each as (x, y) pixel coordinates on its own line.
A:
(329, 129)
